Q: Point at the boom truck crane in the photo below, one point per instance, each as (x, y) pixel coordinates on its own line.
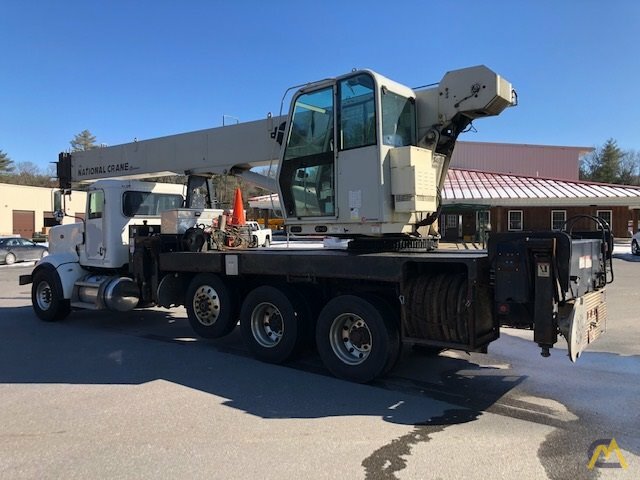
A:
(359, 157)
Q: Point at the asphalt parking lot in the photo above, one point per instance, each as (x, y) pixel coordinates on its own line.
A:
(136, 395)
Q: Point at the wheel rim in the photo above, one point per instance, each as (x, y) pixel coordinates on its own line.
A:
(44, 253)
(634, 248)
(267, 325)
(350, 338)
(206, 305)
(10, 259)
(44, 296)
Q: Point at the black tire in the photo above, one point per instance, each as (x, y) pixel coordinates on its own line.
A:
(211, 307)
(46, 297)
(273, 322)
(357, 338)
(635, 249)
(267, 242)
(10, 259)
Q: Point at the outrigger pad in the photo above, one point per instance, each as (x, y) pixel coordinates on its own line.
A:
(585, 323)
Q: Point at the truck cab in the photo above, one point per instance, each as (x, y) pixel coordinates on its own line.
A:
(102, 240)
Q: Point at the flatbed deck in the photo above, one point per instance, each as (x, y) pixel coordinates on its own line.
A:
(321, 262)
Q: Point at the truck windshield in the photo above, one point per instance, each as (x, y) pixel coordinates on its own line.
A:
(149, 204)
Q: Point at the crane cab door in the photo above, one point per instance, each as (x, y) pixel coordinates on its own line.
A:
(358, 165)
(332, 147)
(307, 175)
(94, 227)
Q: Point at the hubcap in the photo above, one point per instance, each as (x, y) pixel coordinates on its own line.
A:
(350, 338)
(206, 305)
(634, 247)
(267, 325)
(44, 296)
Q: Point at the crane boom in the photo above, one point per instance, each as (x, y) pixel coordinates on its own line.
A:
(222, 150)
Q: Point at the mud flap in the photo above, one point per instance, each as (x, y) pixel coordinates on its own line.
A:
(585, 322)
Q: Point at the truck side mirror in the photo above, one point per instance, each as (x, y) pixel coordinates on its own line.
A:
(57, 205)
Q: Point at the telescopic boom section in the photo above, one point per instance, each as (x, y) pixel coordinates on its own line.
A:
(231, 149)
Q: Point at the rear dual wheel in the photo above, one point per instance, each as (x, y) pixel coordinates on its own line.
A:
(274, 322)
(357, 337)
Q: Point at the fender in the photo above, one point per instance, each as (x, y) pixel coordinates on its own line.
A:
(68, 270)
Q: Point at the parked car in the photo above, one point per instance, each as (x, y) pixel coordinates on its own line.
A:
(635, 243)
(14, 250)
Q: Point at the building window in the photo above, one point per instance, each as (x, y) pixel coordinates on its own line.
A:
(515, 220)
(483, 219)
(451, 221)
(607, 216)
(558, 217)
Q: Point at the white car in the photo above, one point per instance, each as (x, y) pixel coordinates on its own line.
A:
(635, 243)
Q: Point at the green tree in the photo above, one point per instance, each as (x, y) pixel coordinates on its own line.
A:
(28, 173)
(82, 141)
(604, 164)
(630, 168)
(6, 164)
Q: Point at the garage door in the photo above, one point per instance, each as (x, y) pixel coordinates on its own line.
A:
(24, 223)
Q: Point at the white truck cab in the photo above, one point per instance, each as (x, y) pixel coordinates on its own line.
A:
(105, 231)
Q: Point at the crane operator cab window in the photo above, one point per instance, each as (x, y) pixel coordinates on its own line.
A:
(307, 177)
(398, 120)
(357, 112)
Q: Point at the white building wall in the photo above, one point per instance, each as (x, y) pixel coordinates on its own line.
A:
(35, 199)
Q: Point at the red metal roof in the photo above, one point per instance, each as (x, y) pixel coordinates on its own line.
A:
(502, 189)
(519, 159)
(472, 186)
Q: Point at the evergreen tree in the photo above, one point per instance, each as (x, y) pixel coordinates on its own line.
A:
(84, 140)
(605, 164)
(6, 164)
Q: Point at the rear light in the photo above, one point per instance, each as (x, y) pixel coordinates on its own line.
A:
(503, 309)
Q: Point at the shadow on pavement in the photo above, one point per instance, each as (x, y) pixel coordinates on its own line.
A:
(103, 348)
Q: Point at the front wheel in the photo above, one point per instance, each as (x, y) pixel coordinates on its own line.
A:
(273, 322)
(46, 297)
(211, 306)
(635, 248)
(10, 259)
(267, 242)
(357, 337)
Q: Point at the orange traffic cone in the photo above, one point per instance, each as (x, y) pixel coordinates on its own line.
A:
(238, 217)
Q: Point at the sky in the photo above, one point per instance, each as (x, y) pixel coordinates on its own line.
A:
(144, 69)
